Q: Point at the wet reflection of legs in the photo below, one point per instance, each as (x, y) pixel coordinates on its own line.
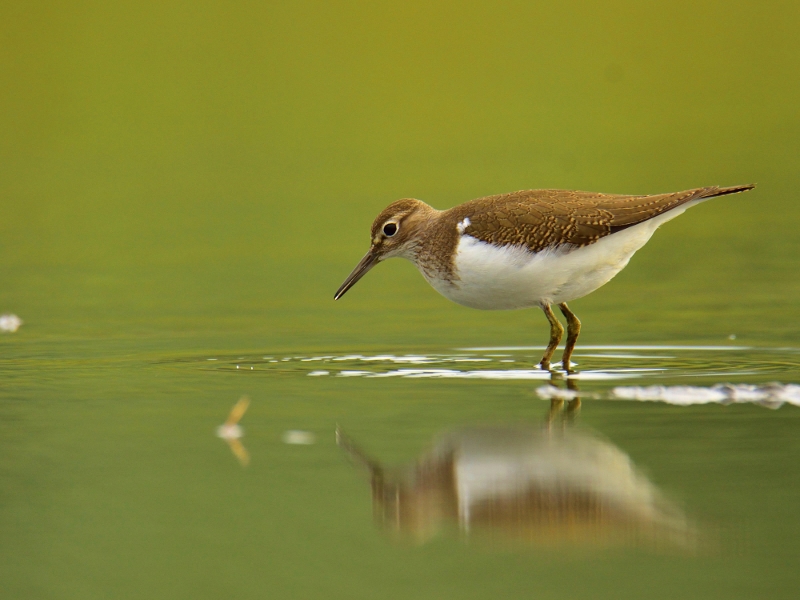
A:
(558, 397)
(574, 405)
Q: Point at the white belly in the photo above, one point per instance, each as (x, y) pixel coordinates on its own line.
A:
(504, 278)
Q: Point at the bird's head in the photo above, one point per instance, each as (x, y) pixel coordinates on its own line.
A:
(395, 232)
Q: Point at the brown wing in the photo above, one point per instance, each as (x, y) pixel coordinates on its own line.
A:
(541, 219)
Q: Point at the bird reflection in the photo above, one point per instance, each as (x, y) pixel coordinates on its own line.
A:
(543, 484)
(232, 432)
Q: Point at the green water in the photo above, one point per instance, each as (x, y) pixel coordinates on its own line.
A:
(182, 182)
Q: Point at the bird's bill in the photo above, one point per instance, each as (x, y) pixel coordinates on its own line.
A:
(370, 260)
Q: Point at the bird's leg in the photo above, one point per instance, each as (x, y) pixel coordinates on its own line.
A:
(573, 330)
(556, 331)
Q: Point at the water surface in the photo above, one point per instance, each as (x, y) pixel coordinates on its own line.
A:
(183, 188)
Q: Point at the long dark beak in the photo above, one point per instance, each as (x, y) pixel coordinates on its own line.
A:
(370, 260)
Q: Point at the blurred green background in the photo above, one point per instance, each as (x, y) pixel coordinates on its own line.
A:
(186, 179)
(214, 167)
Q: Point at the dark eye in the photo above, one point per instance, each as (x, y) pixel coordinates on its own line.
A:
(390, 229)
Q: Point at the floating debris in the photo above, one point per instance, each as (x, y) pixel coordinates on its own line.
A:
(232, 432)
(9, 323)
(295, 436)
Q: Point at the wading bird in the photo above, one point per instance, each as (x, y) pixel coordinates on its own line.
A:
(524, 249)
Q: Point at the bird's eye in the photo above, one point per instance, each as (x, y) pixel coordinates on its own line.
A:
(390, 229)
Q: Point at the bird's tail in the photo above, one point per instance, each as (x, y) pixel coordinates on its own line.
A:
(712, 192)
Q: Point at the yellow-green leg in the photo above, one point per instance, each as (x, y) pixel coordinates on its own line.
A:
(556, 331)
(573, 331)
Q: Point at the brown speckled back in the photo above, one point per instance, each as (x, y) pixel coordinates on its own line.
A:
(541, 219)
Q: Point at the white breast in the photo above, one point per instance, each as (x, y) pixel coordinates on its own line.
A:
(502, 278)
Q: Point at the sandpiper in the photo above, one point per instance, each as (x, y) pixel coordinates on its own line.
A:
(524, 249)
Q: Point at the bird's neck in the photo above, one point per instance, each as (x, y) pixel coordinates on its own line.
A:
(433, 243)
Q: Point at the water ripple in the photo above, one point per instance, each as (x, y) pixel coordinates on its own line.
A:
(593, 363)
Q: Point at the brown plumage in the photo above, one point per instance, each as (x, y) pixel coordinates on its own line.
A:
(539, 219)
